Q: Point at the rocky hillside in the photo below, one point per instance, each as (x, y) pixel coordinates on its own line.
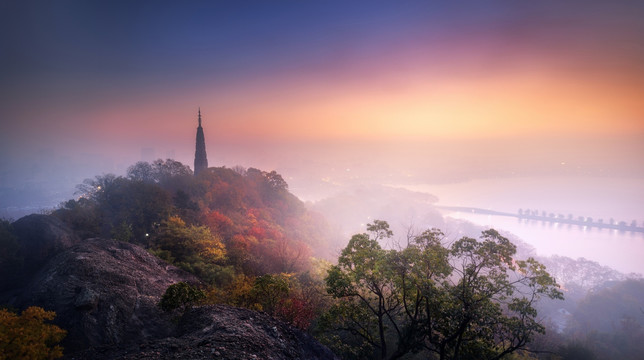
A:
(221, 332)
(105, 294)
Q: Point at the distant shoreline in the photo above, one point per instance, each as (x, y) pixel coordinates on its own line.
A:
(551, 218)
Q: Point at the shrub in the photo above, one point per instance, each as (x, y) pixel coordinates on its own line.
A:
(180, 295)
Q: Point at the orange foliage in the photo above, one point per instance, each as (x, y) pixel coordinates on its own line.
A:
(265, 228)
(237, 293)
(242, 243)
(218, 222)
(28, 337)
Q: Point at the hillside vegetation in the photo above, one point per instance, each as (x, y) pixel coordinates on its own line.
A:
(239, 230)
(250, 243)
(245, 221)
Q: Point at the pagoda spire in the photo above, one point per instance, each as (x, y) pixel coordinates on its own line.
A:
(201, 160)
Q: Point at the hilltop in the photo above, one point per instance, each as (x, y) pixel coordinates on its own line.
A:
(103, 260)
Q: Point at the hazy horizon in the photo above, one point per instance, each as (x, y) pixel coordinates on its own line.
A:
(331, 95)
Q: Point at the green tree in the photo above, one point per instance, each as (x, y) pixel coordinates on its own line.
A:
(490, 296)
(472, 300)
(82, 215)
(364, 280)
(127, 208)
(169, 174)
(180, 295)
(27, 336)
(142, 171)
(269, 290)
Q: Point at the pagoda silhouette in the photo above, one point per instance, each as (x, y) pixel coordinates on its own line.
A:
(201, 160)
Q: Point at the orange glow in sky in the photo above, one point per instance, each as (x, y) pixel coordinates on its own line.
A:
(420, 104)
(414, 72)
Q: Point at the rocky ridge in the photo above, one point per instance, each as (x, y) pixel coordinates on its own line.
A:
(221, 332)
(105, 294)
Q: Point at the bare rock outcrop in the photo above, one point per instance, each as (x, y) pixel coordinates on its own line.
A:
(212, 329)
(222, 332)
(104, 292)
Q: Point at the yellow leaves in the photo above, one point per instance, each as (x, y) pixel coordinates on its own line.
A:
(211, 247)
(26, 336)
(184, 241)
(214, 251)
(175, 221)
(237, 293)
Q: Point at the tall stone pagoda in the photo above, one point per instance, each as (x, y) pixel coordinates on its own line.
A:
(201, 160)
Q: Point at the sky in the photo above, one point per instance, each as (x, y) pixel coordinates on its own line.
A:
(422, 91)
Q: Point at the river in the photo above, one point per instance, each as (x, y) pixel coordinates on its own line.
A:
(620, 199)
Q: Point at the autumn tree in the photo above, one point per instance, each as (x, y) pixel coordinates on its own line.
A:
(239, 292)
(471, 300)
(225, 226)
(282, 296)
(27, 336)
(193, 248)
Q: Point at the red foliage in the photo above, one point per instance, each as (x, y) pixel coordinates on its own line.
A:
(218, 222)
(295, 311)
(255, 205)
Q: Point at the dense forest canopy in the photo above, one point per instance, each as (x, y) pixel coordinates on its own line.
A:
(252, 242)
(243, 220)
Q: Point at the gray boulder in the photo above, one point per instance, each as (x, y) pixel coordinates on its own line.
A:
(104, 292)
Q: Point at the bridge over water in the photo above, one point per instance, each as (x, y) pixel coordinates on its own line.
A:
(552, 218)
